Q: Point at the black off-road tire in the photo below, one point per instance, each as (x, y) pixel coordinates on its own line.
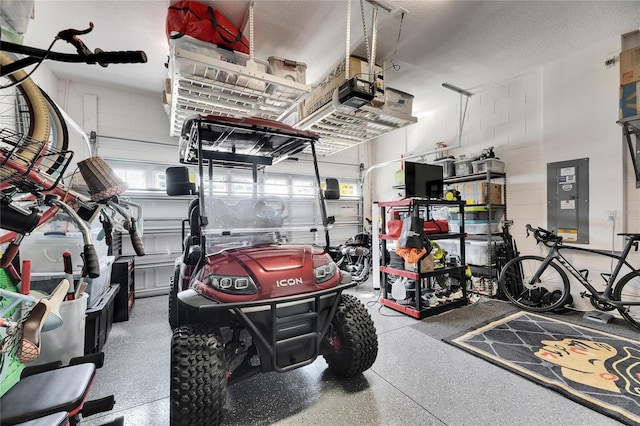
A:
(173, 299)
(351, 345)
(198, 376)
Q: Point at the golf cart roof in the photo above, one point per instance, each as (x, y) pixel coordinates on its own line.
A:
(240, 142)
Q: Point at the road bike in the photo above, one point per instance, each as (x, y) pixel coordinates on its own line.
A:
(541, 284)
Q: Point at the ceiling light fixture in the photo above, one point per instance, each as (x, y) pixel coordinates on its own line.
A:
(456, 89)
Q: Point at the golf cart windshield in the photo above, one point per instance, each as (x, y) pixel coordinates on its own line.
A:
(258, 218)
(252, 211)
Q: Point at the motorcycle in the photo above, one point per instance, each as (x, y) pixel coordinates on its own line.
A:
(354, 256)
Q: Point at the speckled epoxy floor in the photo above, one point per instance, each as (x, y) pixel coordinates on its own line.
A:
(416, 380)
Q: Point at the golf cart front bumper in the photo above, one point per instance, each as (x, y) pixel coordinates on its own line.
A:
(287, 331)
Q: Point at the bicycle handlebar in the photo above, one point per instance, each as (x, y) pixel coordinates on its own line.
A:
(543, 235)
(99, 56)
(119, 57)
(83, 55)
(136, 241)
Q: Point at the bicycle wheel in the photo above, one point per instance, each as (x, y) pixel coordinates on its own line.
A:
(59, 137)
(628, 290)
(549, 292)
(23, 109)
(23, 112)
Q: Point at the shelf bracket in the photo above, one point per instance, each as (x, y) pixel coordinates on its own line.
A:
(630, 126)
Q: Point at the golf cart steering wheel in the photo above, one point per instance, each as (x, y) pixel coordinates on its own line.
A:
(268, 207)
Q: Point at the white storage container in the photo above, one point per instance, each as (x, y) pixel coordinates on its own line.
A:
(46, 283)
(397, 102)
(451, 246)
(45, 248)
(287, 69)
(480, 228)
(480, 253)
(66, 341)
(213, 51)
(448, 167)
(473, 227)
(488, 164)
(463, 167)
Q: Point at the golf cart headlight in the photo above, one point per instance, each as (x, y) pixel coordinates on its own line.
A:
(325, 272)
(232, 284)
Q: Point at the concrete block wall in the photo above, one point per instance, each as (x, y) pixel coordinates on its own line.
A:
(507, 116)
(563, 111)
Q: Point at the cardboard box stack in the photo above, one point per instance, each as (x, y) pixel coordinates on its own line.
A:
(323, 92)
(629, 82)
(480, 192)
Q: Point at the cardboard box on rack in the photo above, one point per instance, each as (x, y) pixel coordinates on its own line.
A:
(426, 265)
(323, 92)
(630, 66)
(629, 106)
(480, 192)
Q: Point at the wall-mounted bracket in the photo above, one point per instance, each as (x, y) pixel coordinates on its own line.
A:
(631, 126)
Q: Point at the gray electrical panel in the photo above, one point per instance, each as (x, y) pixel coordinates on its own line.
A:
(568, 199)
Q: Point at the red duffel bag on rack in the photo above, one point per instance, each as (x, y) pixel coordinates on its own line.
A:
(439, 226)
(204, 23)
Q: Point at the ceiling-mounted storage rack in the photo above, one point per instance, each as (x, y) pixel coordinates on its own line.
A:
(343, 128)
(201, 83)
(208, 80)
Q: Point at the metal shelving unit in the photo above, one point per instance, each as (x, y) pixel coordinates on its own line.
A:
(414, 306)
(489, 270)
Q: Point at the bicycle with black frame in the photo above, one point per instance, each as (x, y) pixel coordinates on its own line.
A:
(541, 284)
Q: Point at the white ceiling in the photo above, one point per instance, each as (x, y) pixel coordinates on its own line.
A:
(470, 44)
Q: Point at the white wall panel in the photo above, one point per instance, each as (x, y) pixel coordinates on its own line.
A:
(580, 113)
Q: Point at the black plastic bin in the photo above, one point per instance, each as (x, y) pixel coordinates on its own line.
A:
(99, 320)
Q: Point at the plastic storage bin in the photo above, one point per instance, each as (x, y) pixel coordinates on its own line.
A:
(451, 246)
(488, 165)
(213, 51)
(474, 227)
(97, 286)
(480, 227)
(463, 167)
(66, 341)
(448, 167)
(46, 283)
(288, 69)
(477, 213)
(396, 101)
(45, 249)
(480, 253)
(99, 321)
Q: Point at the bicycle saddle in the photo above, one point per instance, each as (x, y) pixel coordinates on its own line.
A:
(63, 389)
